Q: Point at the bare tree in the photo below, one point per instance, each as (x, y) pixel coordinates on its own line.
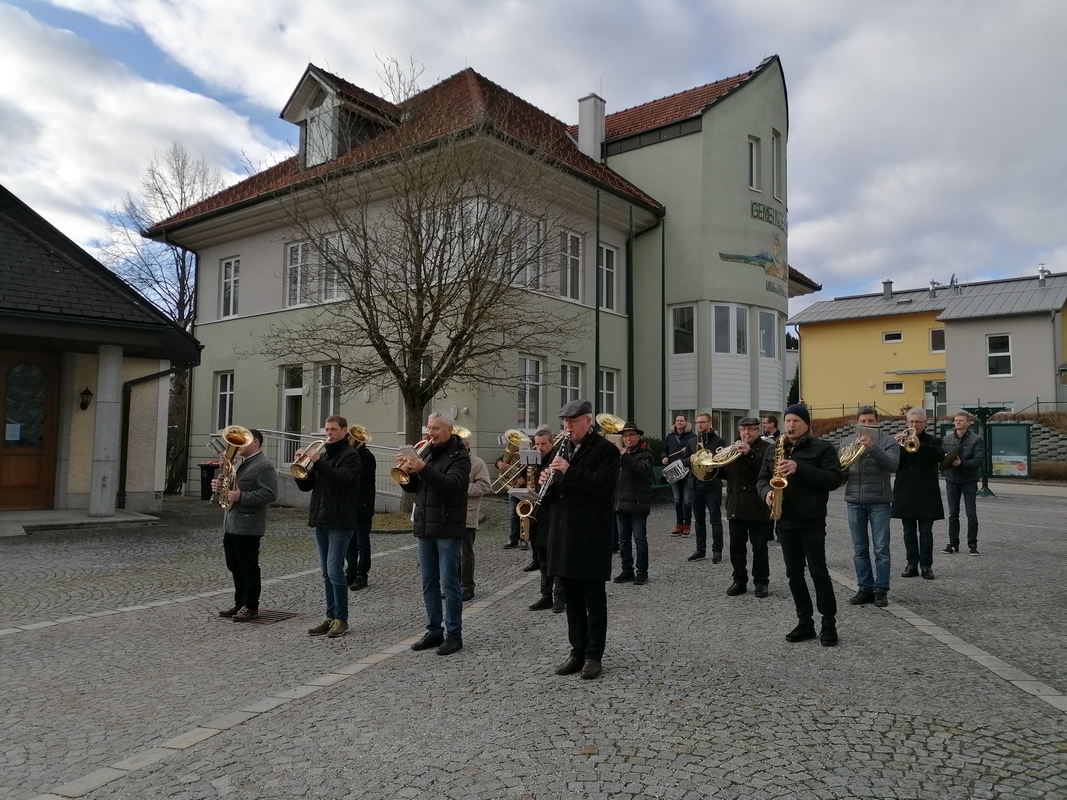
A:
(431, 265)
(165, 274)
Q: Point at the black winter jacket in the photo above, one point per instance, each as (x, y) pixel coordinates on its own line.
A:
(743, 501)
(334, 485)
(818, 473)
(367, 466)
(634, 492)
(440, 491)
(916, 492)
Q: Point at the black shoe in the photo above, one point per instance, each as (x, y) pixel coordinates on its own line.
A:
(245, 613)
(228, 612)
(570, 666)
(828, 634)
(558, 606)
(950, 549)
(716, 556)
(531, 567)
(861, 598)
(927, 573)
(972, 551)
(511, 545)
(880, 598)
(910, 571)
(542, 604)
(591, 669)
(524, 546)
(640, 579)
(802, 632)
(358, 582)
(737, 588)
(468, 595)
(624, 577)
(761, 589)
(696, 557)
(450, 645)
(427, 641)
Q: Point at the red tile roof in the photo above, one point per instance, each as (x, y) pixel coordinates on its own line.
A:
(796, 275)
(464, 102)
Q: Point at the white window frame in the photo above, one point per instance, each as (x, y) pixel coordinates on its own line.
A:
(677, 329)
(527, 252)
(893, 387)
(990, 355)
(331, 286)
(777, 170)
(755, 176)
(607, 277)
(570, 382)
(297, 274)
(229, 286)
(570, 265)
(936, 349)
(892, 337)
(722, 329)
(768, 341)
(318, 131)
(609, 389)
(528, 409)
(224, 397)
(741, 330)
(329, 388)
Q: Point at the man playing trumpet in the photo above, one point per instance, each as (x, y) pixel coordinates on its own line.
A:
(747, 516)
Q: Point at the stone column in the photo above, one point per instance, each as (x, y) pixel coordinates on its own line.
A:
(108, 431)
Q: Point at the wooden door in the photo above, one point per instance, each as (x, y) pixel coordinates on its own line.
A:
(29, 393)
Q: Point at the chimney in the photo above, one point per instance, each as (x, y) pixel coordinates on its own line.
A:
(591, 126)
(887, 290)
(1042, 273)
(933, 288)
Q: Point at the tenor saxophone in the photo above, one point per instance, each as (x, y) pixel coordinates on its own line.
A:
(778, 482)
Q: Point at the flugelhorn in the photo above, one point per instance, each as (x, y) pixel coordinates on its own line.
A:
(301, 468)
(402, 477)
(911, 441)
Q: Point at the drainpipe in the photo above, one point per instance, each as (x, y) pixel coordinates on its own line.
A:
(596, 318)
(630, 403)
(127, 393)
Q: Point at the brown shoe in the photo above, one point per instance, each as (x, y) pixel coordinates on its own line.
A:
(591, 669)
(228, 612)
(337, 629)
(570, 666)
(322, 628)
(245, 614)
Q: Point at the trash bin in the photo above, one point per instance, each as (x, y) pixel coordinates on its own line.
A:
(207, 475)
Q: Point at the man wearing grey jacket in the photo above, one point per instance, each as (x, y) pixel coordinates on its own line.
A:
(255, 487)
(869, 502)
(961, 480)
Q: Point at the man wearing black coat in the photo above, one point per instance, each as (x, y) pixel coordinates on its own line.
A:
(707, 493)
(582, 528)
(633, 502)
(747, 516)
(358, 556)
(439, 481)
(917, 496)
(333, 480)
(813, 470)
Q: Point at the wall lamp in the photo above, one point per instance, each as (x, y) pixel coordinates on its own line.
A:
(87, 397)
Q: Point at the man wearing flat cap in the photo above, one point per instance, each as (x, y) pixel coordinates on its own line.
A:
(581, 495)
(633, 502)
(748, 517)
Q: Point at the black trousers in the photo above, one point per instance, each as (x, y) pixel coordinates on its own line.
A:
(758, 532)
(550, 587)
(587, 617)
(242, 560)
(807, 547)
(466, 561)
(358, 555)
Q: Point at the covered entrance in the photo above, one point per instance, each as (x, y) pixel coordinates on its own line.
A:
(29, 386)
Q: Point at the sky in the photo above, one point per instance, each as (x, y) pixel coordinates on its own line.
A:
(926, 139)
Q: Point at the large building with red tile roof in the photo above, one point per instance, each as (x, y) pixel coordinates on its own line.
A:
(673, 258)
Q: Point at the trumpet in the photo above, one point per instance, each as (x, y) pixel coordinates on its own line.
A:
(516, 441)
(778, 482)
(908, 440)
(402, 477)
(527, 507)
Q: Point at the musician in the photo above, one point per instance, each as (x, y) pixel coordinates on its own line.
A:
(747, 516)
(581, 495)
(770, 428)
(961, 481)
(515, 540)
(477, 488)
(674, 445)
(358, 555)
(869, 502)
(439, 481)
(917, 496)
(333, 480)
(255, 487)
(633, 502)
(813, 470)
(551, 589)
(706, 494)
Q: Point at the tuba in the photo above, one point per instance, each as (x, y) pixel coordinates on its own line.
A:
(357, 433)
(611, 425)
(778, 482)
(235, 438)
(515, 440)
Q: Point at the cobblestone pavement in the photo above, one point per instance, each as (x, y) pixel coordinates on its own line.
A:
(118, 680)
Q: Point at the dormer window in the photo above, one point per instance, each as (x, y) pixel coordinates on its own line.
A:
(319, 143)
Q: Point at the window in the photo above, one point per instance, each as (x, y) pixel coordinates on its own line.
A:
(768, 334)
(25, 402)
(606, 258)
(683, 329)
(570, 266)
(741, 327)
(528, 414)
(570, 383)
(892, 337)
(609, 381)
(998, 349)
(334, 255)
(329, 390)
(223, 400)
(527, 253)
(777, 165)
(318, 134)
(296, 274)
(230, 272)
(893, 387)
(937, 340)
(722, 329)
(754, 163)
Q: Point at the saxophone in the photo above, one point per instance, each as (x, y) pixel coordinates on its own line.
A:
(778, 482)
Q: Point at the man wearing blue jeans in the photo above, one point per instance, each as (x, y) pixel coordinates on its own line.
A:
(333, 480)
(869, 503)
(439, 481)
(707, 493)
(961, 481)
